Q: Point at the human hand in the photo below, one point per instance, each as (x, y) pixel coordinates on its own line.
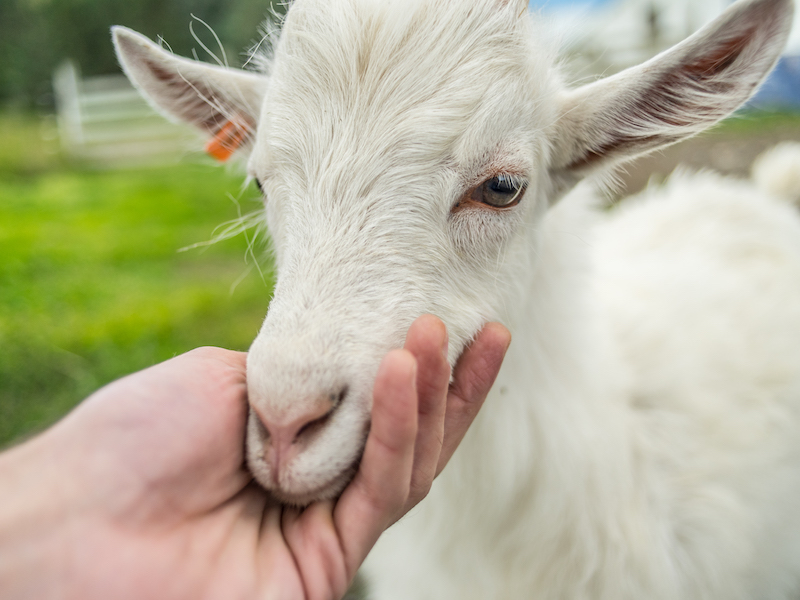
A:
(141, 491)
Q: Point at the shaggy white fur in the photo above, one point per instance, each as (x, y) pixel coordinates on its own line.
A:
(643, 439)
(777, 171)
(656, 453)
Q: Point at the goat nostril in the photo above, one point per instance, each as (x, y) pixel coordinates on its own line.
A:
(337, 399)
(283, 433)
(315, 425)
(312, 426)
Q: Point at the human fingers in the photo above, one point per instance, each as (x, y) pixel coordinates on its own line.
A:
(380, 489)
(280, 576)
(230, 358)
(473, 377)
(317, 550)
(427, 341)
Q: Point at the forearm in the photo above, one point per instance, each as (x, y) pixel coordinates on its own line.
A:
(35, 510)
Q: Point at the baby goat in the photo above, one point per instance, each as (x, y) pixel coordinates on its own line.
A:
(422, 156)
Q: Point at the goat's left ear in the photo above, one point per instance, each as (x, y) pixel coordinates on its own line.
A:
(219, 101)
(520, 5)
(673, 96)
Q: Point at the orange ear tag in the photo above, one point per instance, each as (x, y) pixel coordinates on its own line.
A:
(226, 141)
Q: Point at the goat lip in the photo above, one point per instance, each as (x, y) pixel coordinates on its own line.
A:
(329, 490)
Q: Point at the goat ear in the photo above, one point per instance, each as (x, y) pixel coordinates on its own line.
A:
(219, 101)
(673, 96)
(520, 5)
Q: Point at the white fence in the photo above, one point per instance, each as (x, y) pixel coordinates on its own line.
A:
(104, 121)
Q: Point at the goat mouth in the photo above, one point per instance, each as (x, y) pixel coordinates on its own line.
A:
(298, 482)
(329, 490)
(294, 489)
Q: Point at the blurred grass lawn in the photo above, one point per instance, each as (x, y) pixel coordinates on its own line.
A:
(92, 285)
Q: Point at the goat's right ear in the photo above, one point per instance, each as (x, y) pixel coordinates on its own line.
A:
(673, 96)
(219, 101)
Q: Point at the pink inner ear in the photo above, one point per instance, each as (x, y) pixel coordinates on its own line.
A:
(711, 65)
(689, 88)
(673, 99)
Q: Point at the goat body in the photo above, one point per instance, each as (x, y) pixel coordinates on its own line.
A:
(643, 438)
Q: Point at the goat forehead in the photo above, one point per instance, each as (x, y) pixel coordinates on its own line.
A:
(368, 46)
(372, 84)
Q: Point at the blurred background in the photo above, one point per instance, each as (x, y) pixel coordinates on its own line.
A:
(105, 209)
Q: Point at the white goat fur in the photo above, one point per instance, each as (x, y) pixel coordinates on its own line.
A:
(643, 438)
(776, 171)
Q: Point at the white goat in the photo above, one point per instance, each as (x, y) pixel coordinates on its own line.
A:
(643, 439)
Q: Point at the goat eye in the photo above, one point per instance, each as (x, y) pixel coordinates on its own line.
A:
(258, 185)
(503, 191)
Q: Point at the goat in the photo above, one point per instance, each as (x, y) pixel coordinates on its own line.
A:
(426, 156)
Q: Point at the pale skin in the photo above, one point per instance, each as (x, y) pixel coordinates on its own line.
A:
(141, 492)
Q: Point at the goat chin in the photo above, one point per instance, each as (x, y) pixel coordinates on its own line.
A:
(328, 491)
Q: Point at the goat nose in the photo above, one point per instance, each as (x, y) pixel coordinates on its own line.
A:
(286, 433)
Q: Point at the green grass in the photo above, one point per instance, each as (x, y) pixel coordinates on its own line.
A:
(750, 122)
(92, 285)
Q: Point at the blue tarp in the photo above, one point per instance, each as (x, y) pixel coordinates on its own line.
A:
(781, 91)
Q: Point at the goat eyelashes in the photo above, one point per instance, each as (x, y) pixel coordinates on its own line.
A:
(499, 192)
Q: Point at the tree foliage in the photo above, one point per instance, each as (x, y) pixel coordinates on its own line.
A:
(36, 35)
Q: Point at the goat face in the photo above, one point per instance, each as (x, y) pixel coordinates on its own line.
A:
(387, 196)
(406, 150)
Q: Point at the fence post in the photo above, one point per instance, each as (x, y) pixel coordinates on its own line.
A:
(66, 84)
